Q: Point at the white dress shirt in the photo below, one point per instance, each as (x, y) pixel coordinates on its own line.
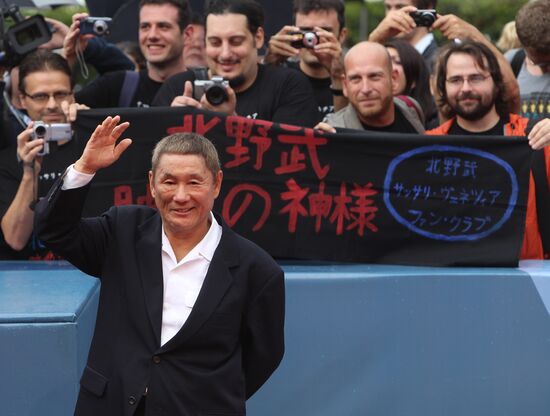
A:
(423, 43)
(182, 280)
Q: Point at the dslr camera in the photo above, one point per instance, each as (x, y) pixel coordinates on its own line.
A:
(98, 26)
(214, 89)
(23, 37)
(53, 132)
(308, 39)
(424, 17)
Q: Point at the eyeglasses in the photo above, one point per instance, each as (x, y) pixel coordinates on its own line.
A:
(474, 80)
(43, 98)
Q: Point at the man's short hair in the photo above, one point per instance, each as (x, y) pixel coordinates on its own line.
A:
(308, 6)
(532, 25)
(187, 144)
(484, 58)
(184, 10)
(42, 60)
(250, 8)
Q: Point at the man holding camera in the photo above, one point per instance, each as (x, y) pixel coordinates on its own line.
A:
(163, 28)
(46, 93)
(409, 20)
(234, 33)
(314, 47)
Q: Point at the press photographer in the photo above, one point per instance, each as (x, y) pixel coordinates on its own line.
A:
(43, 151)
(234, 33)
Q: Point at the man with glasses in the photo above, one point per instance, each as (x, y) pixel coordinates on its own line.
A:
(532, 63)
(471, 90)
(322, 63)
(46, 94)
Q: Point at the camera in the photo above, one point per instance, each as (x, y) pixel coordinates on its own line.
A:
(308, 39)
(425, 17)
(98, 26)
(23, 37)
(53, 132)
(214, 89)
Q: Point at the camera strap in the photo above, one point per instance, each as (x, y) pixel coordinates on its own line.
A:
(129, 88)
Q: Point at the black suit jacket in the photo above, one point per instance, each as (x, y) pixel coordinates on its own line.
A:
(228, 347)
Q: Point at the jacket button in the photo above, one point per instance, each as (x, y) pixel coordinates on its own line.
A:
(156, 359)
(131, 400)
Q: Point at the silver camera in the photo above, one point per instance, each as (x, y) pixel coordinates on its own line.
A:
(98, 26)
(214, 89)
(54, 132)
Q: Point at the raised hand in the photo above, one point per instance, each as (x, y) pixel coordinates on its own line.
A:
(101, 150)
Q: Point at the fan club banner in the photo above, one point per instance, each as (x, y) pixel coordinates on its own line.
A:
(359, 197)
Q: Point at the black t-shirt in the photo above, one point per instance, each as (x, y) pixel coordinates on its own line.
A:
(496, 130)
(278, 94)
(321, 91)
(104, 91)
(54, 165)
(399, 125)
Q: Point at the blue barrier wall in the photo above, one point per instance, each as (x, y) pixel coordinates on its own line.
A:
(361, 340)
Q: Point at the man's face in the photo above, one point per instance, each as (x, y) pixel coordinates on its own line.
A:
(390, 5)
(43, 95)
(193, 47)
(184, 191)
(368, 86)
(160, 37)
(470, 89)
(231, 49)
(539, 59)
(326, 19)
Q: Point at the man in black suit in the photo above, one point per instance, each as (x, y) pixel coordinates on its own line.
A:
(191, 315)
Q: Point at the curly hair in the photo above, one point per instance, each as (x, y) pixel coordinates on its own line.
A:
(532, 25)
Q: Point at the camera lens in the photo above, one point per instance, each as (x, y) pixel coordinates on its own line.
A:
(100, 27)
(40, 131)
(310, 39)
(216, 95)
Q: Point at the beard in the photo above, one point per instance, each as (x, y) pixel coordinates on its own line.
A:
(473, 113)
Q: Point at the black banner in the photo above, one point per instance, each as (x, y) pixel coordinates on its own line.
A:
(304, 194)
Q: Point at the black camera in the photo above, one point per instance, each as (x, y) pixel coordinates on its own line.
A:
(25, 36)
(98, 26)
(214, 89)
(308, 39)
(424, 17)
(54, 132)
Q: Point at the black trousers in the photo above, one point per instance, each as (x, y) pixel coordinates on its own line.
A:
(140, 411)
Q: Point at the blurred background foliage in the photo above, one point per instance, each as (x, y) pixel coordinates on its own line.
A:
(489, 16)
(363, 16)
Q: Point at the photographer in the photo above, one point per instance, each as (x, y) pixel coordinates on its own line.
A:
(314, 47)
(46, 93)
(234, 33)
(163, 28)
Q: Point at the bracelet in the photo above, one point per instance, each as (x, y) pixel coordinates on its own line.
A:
(336, 91)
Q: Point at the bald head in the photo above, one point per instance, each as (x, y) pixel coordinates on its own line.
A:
(368, 52)
(368, 83)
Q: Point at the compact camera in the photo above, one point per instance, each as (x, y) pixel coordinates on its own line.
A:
(23, 37)
(307, 39)
(53, 132)
(424, 17)
(98, 26)
(214, 89)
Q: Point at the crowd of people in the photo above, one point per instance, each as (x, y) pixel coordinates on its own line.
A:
(400, 80)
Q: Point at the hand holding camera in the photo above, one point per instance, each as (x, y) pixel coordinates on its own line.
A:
(424, 17)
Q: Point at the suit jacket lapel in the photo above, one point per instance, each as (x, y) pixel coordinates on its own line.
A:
(149, 248)
(217, 281)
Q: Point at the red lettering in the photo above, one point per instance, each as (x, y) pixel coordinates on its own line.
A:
(295, 194)
(340, 212)
(319, 205)
(123, 195)
(250, 189)
(364, 209)
(240, 128)
(195, 123)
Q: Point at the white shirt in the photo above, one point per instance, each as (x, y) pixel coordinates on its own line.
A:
(423, 43)
(182, 280)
